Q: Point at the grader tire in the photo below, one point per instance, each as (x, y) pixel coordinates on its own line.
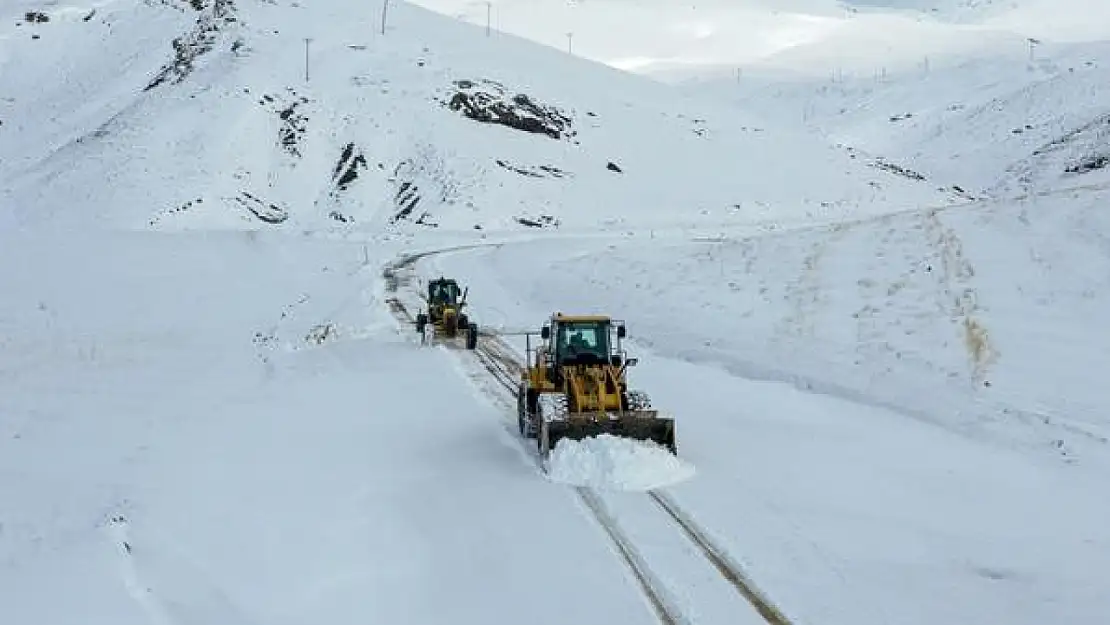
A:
(472, 336)
(521, 416)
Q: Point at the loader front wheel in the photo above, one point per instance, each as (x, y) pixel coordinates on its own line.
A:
(472, 336)
(528, 412)
(543, 440)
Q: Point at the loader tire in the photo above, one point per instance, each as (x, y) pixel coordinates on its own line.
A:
(472, 336)
(527, 409)
(543, 440)
(549, 407)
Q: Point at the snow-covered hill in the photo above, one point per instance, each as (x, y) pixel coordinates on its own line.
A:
(886, 390)
(955, 92)
(386, 131)
(994, 124)
(678, 40)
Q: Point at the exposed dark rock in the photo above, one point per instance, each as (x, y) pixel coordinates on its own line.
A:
(346, 170)
(541, 222)
(423, 184)
(488, 101)
(1088, 164)
(265, 211)
(294, 124)
(406, 199)
(614, 167)
(897, 170)
(293, 127)
(1098, 125)
(177, 210)
(424, 220)
(345, 173)
(198, 41)
(541, 171)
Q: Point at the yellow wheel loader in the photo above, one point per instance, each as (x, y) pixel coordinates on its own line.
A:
(445, 314)
(574, 386)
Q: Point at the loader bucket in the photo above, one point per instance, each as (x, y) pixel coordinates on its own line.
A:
(643, 425)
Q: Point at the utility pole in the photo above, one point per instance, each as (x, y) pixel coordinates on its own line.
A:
(489, 11)
(570, 48)
(307, 40)
(385, 8)
(1032, 42)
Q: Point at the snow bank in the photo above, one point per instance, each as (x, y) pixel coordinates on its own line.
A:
(616, 463)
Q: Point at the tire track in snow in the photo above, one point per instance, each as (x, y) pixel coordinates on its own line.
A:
(720, 559)
(170, 588)
(805, 293)
(959, 295)
(119, 529)
(631, 556)
(502, 364)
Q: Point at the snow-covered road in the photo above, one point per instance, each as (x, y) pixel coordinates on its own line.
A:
(684, 574)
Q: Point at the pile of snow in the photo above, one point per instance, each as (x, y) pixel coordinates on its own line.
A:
(615, 463)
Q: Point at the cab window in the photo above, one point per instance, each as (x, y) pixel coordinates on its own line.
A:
(585, 337)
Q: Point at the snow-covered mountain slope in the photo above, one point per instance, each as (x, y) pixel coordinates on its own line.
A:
(373, 140)
(207, 413)
(675, 41)
(953, 92)
(993, 124)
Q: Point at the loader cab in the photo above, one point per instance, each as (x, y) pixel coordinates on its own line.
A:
(581, 340)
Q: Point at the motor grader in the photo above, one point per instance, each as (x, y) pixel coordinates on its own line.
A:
(574, 386)
(445, 314)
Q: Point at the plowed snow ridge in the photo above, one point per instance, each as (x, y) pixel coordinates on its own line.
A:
(613, 463)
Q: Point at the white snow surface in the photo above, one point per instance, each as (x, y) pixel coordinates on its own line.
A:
(891, 388)
(609, 462)
(674, 40)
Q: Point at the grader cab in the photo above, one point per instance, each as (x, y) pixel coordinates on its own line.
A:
(575, 386)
